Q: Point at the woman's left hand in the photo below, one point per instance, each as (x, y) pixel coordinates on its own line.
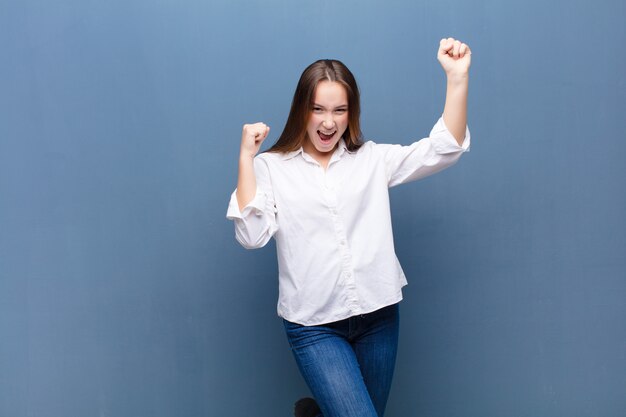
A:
(454, 56)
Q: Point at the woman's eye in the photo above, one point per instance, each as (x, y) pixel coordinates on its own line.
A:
(317, 109)
(340, 111)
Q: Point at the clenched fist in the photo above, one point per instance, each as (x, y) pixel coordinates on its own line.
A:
(454, 56)
(252, 137)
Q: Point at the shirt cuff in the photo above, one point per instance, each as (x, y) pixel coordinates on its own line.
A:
(256, 206)
(444, 142)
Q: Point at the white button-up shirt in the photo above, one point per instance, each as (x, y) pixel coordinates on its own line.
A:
(332, 227)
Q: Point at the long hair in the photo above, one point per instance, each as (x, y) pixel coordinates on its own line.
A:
(294, 133)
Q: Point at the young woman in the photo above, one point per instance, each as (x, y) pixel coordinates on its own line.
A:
(322, 193)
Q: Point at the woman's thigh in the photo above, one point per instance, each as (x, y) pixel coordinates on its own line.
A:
(375, 347)
(330, 368)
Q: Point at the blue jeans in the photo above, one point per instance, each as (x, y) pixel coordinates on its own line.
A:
(348, 365)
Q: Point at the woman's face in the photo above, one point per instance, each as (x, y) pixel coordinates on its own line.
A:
(328, 120)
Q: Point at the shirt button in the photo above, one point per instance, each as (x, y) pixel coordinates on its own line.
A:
(342, 243)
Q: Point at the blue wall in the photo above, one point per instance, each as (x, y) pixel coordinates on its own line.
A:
(124, 293)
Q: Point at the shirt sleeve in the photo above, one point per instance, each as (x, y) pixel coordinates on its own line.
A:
(424, 157)
(256, 223)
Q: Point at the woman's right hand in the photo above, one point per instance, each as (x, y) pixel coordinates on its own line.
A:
(252, 137)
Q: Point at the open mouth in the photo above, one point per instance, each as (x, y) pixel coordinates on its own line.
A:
(326, 137)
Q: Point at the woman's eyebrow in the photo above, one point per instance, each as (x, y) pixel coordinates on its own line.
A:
(338, 107)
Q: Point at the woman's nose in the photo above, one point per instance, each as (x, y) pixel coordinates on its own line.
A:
(328, 121)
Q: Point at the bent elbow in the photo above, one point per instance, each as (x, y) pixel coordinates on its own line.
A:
(250, 244)
(253, 240)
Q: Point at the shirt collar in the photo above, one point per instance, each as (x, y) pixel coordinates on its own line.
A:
(341, 149)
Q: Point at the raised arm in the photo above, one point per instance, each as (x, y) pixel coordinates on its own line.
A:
(455, 58)
(251, 139)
